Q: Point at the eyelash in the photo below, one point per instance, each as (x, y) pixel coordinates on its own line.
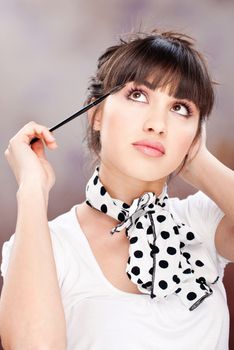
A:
(184, 104)
(187, 106)
(135, 89)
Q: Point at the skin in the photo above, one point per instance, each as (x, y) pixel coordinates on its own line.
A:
(146, 114)
(126, 173)
(152, 116)
(125, 179)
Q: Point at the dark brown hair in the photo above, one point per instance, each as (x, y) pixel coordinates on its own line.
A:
(169, 59)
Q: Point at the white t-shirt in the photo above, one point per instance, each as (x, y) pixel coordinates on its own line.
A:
(101, 317)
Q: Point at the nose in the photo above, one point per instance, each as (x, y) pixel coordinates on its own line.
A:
(156, 121)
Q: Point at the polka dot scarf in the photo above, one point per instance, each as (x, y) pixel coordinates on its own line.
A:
(165, 256)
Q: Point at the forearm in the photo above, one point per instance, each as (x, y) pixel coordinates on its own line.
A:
(215, 179)
(31, 312)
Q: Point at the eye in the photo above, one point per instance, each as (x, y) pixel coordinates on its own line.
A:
(182, 109)
(137, 95)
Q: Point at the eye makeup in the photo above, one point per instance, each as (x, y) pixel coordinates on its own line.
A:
(189, 106)
(132, 89)
(186, 105)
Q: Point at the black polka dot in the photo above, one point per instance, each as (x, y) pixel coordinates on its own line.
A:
(155, 249)
(178, 290)
(95, 181)
(190, 236)
(180, 267)
(151, 206)
(191, 296)
(139, 281)
(186, 255)
(121, 217)
(125, 206)
(182, 245)
(102, 191)
(176, 279)
(104, 208)
(149, 230)
(133, 240)
(88, 202)
(138, 254)
(151, 270)
(147, 284)
(129, 259)
(129, 276)
(139, 225)
(163, 264)
(199, 263)
(171, 250)
(135, 270)
(165, 234)
(203, 287)
(187, 271)
(162, 284)
(161, 218)
(176, 231)
(201, 280)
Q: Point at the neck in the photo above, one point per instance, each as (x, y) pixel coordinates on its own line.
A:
(122, 186)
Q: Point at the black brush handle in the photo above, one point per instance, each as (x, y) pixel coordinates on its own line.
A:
(81, 111)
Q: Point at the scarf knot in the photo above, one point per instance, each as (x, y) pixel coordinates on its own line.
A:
(148, 203)
(166, 256)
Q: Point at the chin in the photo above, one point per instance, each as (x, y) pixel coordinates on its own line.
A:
(144, 173)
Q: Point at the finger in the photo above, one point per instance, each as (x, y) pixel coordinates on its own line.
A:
(39, 149)
(47, 138)
(32, 130)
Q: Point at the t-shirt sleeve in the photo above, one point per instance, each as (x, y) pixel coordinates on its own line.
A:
(203, 213)
(58, 252)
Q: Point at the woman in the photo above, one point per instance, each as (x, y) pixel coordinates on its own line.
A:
(155, 282)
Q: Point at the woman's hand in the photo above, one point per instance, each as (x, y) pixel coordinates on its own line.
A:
(29, 163)
(196, 156)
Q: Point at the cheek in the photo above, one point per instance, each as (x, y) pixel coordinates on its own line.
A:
(116, 122)
(184, 141)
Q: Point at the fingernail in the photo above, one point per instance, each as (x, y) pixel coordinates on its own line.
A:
(51, 138)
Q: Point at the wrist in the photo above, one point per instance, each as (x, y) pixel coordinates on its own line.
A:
(195, 172)
(199, 161)
(30, 191)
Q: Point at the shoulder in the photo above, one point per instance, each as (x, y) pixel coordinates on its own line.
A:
(198, 208)
(202, 214)
(62, 221)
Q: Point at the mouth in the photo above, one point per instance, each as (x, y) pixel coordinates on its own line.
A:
(153, 149)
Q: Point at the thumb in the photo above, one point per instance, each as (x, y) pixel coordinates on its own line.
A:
(39, 148)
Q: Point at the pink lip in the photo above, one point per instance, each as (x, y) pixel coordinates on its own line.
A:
(151, 148)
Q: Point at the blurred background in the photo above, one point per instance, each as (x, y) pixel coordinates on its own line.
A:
(48, 52)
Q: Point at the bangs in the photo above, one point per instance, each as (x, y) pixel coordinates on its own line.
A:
(165, 64)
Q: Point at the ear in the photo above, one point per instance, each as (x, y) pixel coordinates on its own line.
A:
(95, 113)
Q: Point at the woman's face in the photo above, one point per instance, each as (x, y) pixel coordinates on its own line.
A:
(138, 114)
